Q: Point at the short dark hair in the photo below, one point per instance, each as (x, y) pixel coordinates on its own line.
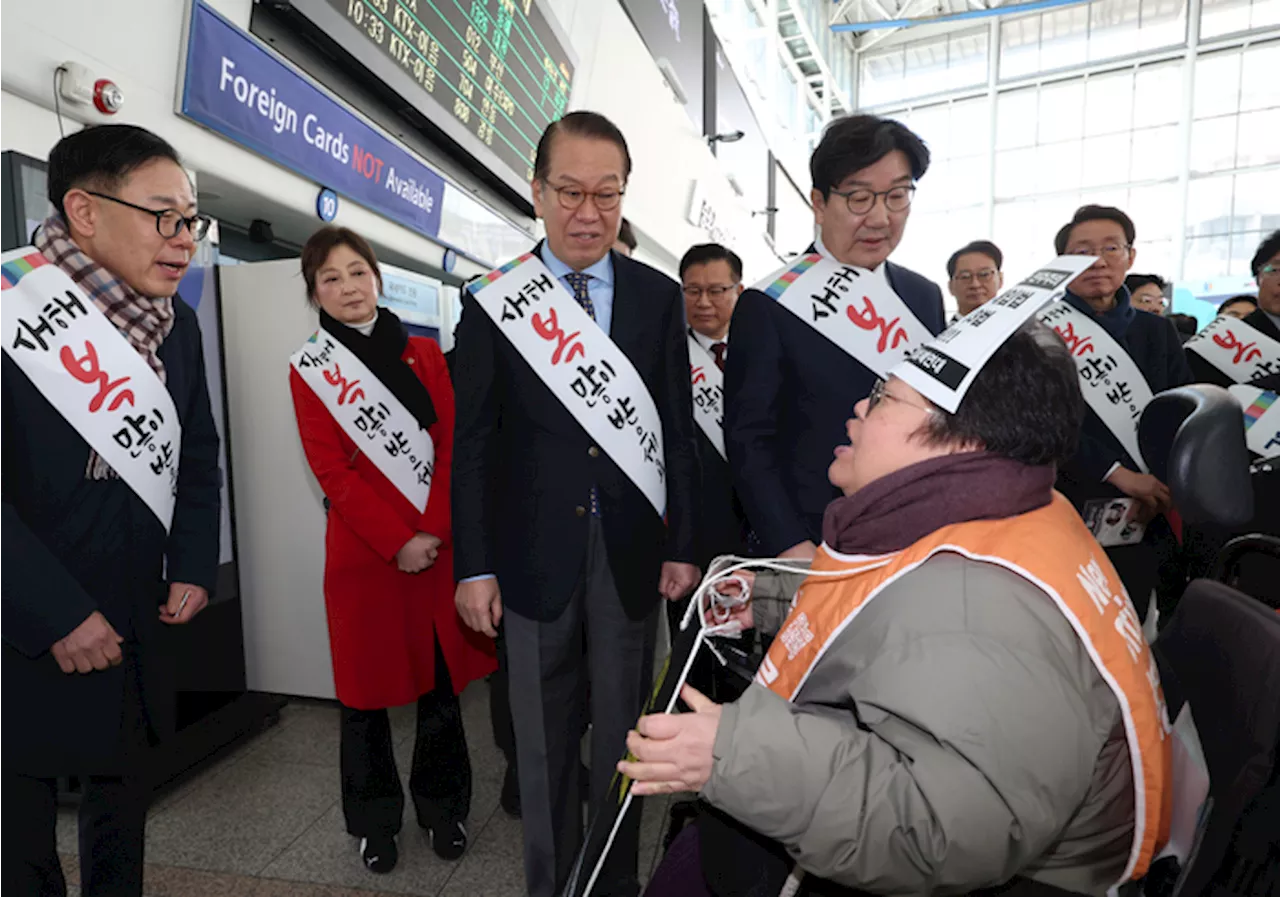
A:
(1186, 325)
(851, 143)
(580, 124)
(982, 247)
(627, 236)
(711, 252)
(1134, 281)
(1094, 213)
(1025, 403)
(1266, 250)
(1243, 297)
(323, 242)
(101, 157)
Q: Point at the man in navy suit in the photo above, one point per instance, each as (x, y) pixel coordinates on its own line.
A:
(552, 539)
(789, 389)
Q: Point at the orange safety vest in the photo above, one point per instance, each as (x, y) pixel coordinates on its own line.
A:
(1079, 578)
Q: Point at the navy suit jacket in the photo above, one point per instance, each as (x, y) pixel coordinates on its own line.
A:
(523, 467)
(1152, 342)
(788, 392)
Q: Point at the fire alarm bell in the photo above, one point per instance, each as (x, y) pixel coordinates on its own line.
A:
(108, 98)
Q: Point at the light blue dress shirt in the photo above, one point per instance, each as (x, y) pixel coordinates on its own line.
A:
(600, 288)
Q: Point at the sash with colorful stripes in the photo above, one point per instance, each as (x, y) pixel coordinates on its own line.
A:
(852, 307)
(1261, 419)
(91, 374)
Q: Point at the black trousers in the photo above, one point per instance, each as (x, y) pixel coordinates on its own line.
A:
(113, 814)
(440, 781)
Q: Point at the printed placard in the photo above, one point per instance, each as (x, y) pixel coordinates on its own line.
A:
(1113, 386)
(585, 370)
(1113, 521)
(1261, 419)
(370, 414)
(708, 393)
(943, 368)
(1238, 349)
(852, 307)
(92, 375)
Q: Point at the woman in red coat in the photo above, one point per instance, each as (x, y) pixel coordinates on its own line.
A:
(373, 404)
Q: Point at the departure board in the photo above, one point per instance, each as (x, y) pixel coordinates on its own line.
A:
(490, 73)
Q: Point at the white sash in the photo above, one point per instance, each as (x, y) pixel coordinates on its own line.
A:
(944, 368)
(582, 366)
(708, 393)
(1110, 379)
(370, 414)
(853, 307)
(1238, 349)
(1261, 419)
(93, 376)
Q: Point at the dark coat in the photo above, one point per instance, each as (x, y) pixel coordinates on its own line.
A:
(1152, 342)
(514, 435)
(1205, 372)
(788, 392)
(722, 527)
(73, 546)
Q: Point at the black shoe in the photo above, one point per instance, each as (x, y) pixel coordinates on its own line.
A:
(448, 840)
(379, 853)
(510, 799)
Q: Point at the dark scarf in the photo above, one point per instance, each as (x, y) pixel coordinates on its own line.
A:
(380, 351)
(909, 504)
(1115, 320)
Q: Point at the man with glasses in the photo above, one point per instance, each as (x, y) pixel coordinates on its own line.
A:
(788, 387)
(1266, 320)
(553, 538)
(974, 275)
(111, 499)
(1147, 348)
(1146, 292)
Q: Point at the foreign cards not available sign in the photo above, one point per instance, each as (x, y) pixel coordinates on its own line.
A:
(239, 89)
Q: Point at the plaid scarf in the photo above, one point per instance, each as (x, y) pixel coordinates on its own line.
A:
(143, 321)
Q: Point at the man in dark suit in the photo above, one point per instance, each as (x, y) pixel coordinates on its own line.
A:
(92, 580)
(788, 389)
(566, 549)
(1101, 468)
(1265, 317)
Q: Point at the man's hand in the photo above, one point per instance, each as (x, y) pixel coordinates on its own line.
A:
(805, 551)
(674, 751)
(174, 612)
(1144, 487)
(418, 553)
(93, 645)
(479, 603)
(677, 580)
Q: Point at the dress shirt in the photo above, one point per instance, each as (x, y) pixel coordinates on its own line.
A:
(600, 287)
(707, 342)
(881, 271)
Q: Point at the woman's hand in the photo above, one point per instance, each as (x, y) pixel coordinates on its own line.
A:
(418, 553)
(674, 751)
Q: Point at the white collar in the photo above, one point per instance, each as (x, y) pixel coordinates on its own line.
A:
(880, 270)
(707, 342)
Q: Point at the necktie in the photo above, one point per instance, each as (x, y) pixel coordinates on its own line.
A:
(578, 282)
(718, 350)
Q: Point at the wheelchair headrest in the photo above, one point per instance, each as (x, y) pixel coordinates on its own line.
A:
(1192, 439)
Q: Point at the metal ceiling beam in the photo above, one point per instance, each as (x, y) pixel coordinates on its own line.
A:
(904, 22)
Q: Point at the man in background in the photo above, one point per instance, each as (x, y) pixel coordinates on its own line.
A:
(1146, 292)
(1239, 307)
(974, 275)
(626, 243)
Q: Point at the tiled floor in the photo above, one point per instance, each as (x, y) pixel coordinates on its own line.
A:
(265, 821)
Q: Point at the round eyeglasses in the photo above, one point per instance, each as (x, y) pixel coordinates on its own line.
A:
(169, 222)
(861, 201)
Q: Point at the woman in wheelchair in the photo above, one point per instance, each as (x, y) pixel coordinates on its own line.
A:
(959, 700)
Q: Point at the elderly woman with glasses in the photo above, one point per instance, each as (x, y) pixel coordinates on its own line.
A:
(937, 713)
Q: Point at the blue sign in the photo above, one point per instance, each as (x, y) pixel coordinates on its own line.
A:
(239, 89)
(327, 205)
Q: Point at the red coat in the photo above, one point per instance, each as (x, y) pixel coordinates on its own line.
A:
(382, 622)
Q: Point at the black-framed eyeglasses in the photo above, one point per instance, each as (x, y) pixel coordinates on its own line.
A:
(880, 392)
(169, 222)
(714, 293)
(571, 198)
(986, 275)
(861, 201)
